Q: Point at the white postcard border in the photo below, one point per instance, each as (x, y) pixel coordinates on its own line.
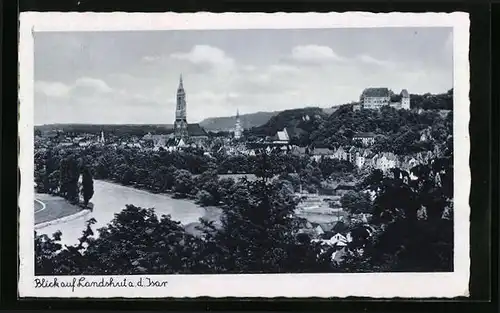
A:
(376, 285)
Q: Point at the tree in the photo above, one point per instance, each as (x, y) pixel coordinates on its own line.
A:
(311, 176)
(135, 242)
(329, 166)
(225, 187)
(205, 198)
(69, 175)
(411, 216)
(184, 184)
(51, 258)
(356, 202)
(259, 227)
(128, 177)
(87, 186)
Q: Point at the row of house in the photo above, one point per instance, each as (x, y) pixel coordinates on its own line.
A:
(365, 158)
(333, 237)
(361, 157)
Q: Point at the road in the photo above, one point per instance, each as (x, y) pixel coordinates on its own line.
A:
(110, 198)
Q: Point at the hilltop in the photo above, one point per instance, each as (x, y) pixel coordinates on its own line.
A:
(226, 123)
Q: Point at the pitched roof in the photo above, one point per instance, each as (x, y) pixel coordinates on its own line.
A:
(170, 142)
(376, 92)
(299, 150)
(396, 98)
(339, 227)
(326, 226)
(404, 93)
(196, 130)
(322, 151)
(282, 135)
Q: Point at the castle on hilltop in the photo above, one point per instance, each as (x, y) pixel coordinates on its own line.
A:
(376, 98)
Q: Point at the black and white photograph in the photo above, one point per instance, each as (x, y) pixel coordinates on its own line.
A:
(292, 155)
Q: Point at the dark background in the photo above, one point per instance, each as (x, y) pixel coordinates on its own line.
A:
(484, 153)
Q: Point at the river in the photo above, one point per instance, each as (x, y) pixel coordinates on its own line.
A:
(110, 198)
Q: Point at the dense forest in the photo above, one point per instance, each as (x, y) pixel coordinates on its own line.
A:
(398, 131)
(180, 173)
(442, 101)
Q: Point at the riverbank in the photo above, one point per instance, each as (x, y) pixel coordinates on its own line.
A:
(210, 213)
(110, 199)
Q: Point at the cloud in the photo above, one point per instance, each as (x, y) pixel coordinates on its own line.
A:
(93, 84)
(52, 89)
(371, 60)
(81, 85)
(447, 51)
(204, 54)
(150, 59)
(248, 68)
(314, 54)
(283, 69)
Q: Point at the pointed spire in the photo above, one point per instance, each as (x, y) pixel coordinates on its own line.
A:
(237, 113)
(180, 83)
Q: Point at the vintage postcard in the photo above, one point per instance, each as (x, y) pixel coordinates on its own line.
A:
(244, 155)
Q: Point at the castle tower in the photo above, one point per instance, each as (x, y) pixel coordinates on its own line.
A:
(405, 99)
(180, 124)
(237, 127)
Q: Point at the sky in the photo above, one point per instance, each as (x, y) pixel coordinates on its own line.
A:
(132, 76)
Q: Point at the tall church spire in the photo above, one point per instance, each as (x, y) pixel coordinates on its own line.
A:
(180, 124)
(237, 127)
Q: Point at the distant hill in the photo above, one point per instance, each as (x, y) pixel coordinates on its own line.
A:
(117, 129)
(227, 123)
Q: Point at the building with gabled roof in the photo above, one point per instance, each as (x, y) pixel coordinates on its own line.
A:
(340, 154)
(366, 139)
(376, 98)
(282, 136)
(318, 153)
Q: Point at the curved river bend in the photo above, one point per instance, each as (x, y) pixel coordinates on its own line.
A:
(110, 198)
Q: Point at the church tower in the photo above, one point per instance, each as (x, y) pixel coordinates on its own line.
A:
(237, 128)
(180, 124)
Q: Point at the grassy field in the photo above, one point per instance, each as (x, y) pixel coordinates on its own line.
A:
(39, 206)
(55, 208)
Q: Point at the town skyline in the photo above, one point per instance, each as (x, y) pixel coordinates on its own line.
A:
(76, 80)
